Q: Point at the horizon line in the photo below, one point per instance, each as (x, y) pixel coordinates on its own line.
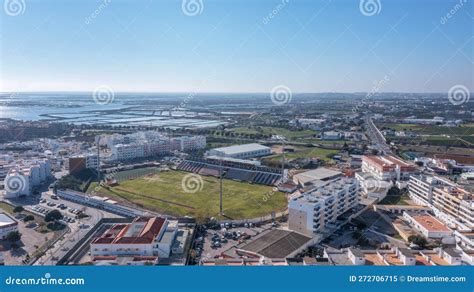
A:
(225, 92)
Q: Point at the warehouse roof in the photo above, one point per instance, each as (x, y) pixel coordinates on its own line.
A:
(6, 220)
(241, 148)
(277, 243)
(319, 174)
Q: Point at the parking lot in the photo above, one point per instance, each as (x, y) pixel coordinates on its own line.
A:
(69, 213)
(210, 243)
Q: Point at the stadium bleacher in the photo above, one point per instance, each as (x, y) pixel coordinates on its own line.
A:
(233, 170)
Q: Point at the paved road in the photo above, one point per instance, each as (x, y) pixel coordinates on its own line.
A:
(376, 137)
(78, 230)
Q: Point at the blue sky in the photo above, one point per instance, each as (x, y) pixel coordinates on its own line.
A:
(237, 46)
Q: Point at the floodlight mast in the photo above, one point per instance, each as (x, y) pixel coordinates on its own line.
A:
(221, 212)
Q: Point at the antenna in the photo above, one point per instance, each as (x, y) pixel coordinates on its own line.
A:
(98, 158)
(282, 160)
(169, 139)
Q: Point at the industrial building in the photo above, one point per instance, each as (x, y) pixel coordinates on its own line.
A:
(244, 151)
(315, 177)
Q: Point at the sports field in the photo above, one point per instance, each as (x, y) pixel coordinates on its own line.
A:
(164, 192)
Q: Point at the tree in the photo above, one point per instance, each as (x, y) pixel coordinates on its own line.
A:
(53, 216)
(13, 236)
(28, 218)
(18, 209)
(418, 240)
(394, 191)
(345, 146)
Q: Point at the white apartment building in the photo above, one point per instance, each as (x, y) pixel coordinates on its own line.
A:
(312, 211)
(92, 161)
(5, 165)
(24, 176)
(379, 172)
(145, 236)
(449, 202)
(159, 145)
(17, 183)
(128, 151)
(371, 187)
(387, 168)
(188, 143)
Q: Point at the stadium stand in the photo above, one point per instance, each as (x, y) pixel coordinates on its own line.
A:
(233, 170)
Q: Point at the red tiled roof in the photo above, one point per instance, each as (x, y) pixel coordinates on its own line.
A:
(388, 163)
(104, 258)
(117, 234)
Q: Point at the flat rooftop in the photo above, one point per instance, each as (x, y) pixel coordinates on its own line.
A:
(430, 223)
(6, 220)
(388, 162)
(276, 243)
(321, 173)
(241, 148)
